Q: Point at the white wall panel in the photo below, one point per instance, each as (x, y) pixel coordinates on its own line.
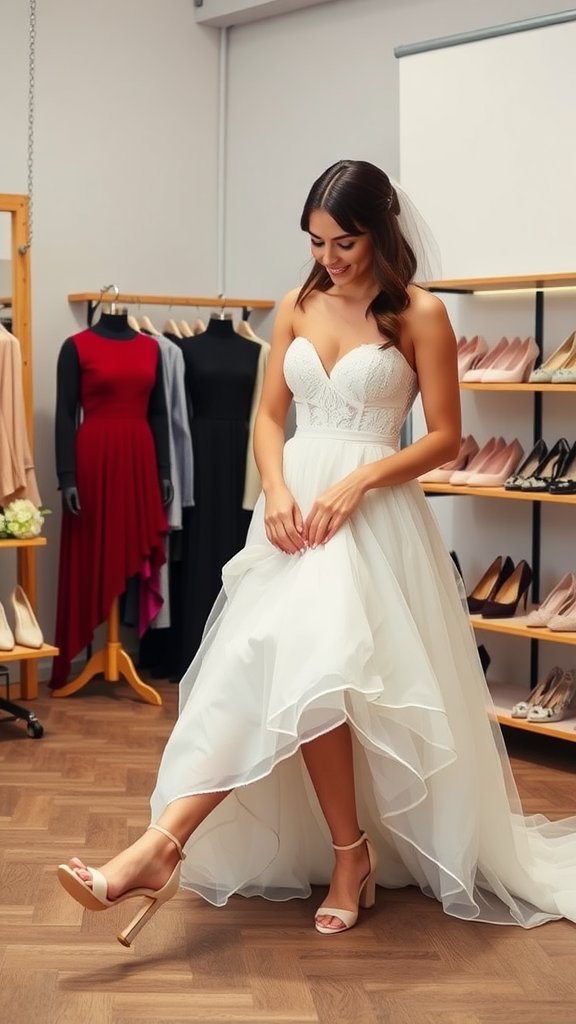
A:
(488, 150)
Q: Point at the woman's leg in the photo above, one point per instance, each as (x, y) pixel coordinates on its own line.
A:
(329, 761)
(151, 859)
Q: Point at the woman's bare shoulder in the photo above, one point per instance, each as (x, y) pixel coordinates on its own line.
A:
(423, 302)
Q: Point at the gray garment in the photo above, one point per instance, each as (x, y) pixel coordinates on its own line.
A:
(180, 439)
(181, 458)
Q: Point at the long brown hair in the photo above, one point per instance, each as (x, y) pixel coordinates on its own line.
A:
(361, 199)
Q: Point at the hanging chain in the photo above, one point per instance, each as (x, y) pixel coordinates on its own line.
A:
(31, 89)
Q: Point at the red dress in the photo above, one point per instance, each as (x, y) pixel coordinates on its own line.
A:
(120, 529)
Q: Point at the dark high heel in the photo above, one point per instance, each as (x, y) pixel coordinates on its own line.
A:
(530, 464)
(565, 481)
(505, 601)
(549, 469)
(490, 582)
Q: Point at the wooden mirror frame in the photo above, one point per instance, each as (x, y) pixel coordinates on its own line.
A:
(18, 208)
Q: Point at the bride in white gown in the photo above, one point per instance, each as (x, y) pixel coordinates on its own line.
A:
(338, 681)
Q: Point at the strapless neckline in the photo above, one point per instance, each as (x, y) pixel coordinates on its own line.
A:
(357, 348)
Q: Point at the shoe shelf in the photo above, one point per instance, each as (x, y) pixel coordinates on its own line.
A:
(499, 492)
(505, 695)
(516, 626)
(478, 386)
(529, 282)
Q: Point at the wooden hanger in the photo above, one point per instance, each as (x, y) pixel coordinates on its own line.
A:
(133, 323)
(171, 327)
(246, 331)
(146, 325)
(185, 329)
(198, 327)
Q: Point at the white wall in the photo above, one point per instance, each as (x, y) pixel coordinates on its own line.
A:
(125, 177)
(313, 87)
(126, 173)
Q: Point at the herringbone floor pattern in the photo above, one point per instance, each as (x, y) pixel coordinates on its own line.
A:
(83, 788)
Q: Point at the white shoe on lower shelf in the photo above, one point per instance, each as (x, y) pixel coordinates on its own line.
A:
(27, 631)
(6, 634)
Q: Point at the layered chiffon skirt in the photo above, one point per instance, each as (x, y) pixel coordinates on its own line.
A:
(368, 629)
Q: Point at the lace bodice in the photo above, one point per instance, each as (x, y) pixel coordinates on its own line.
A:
(370, 389)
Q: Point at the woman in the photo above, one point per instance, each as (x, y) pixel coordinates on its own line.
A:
(340, 633)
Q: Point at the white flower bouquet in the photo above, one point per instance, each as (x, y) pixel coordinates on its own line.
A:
(20, 520)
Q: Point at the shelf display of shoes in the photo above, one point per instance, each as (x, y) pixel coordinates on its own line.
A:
(544, 474)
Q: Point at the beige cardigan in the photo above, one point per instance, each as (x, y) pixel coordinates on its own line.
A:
(252, 482)
(17, 477)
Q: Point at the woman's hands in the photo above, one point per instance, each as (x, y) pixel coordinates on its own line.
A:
(283, 521)
(331, 510)
(289, 532)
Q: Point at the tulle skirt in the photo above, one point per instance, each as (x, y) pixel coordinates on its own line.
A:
(368, 629)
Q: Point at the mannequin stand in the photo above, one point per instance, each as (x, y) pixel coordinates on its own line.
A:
(111, 662)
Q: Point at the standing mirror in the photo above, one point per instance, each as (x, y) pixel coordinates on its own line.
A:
(15, 313)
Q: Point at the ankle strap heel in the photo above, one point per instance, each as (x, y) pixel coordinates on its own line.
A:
(165, 832)
(352, 846)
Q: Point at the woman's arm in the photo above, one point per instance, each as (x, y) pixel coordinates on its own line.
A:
(434, 346)
(282, 517)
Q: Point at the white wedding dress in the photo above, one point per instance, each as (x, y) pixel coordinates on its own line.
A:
(369, 628)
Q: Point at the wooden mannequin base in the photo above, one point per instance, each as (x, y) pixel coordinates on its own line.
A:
(111, 662)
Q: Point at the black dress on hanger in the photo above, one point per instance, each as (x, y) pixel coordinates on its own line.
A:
(221, 370)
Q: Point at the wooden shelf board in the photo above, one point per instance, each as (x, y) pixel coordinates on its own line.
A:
(28, 653)
(33, 542)
(516, 626)
(478, 386)
(505, 695)
(499, 492)
(488, 284)
(172, 300)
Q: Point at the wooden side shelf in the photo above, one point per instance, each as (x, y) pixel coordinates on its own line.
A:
(516, 626)
(499, 492)
(28, 653)
(32, 542)
(505, 695)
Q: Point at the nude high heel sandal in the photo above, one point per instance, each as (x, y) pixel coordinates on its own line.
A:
(94, 897)
(27, 631)
(6, 635)
(366, 892)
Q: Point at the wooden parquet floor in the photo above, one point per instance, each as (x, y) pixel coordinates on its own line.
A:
(83, 789)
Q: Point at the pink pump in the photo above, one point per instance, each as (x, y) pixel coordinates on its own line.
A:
(496, 470)
(461, 476)
(516, 367)
(501, 351)
(553, 602)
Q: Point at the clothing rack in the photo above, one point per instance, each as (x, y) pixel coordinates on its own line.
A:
(94, 299)
(113, 661)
